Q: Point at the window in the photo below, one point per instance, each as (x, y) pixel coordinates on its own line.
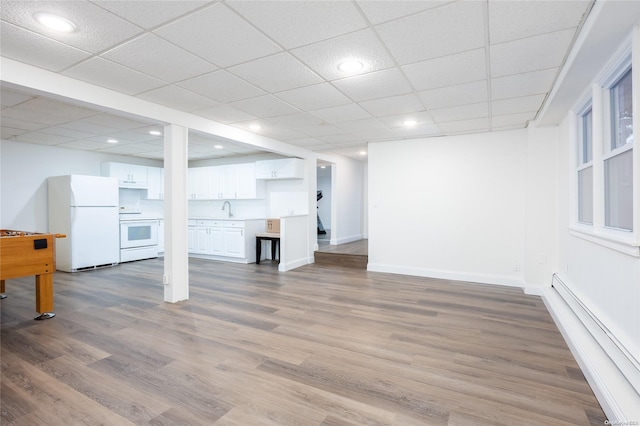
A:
(606, 194)
(618, 162)
(585, 167)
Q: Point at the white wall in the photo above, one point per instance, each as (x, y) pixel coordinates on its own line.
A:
(24, 172)
(347, 200)
(451, 207)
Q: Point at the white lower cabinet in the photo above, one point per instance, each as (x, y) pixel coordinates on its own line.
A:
(232, 240)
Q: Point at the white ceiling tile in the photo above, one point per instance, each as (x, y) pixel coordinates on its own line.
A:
(65, 112)
(276, 73)
(294, 24)
(461, 112)
(393, 105)
(516, 105)
(225, 114)
(21, 122)
(70, 133)
(448, 71)
(305, 142)
(113, 121)
(9, 98)
(520, 120)
(531, 83)
(92, 128)
(9, 132)
(43, 52)
(426, 130)
(218, 35)
(318, 96)
(453, 28)
(124, 149)
(382, 11)
(530, 54)
(325, 56)
(42, 138)
(157, 57)
(397, 121)
(264, 106)
(512, 20)
(176, 97)
(465, 126)
(297, 120)
(108, 74)
(221, 86)
(90, 21)
(26, 115)
(342, 138)
(342, 113)
(85, 144)
(148, 14)
(459, 94)
(321, 130)
(374, 85)
(368, 129)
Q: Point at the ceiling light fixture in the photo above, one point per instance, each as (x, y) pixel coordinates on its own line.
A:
(218, 146)
(155, 132)
(323, 167)
(255, 127)
(112, 140)
(350, 65)
(409, 123)
(363, 152)
(55, 22)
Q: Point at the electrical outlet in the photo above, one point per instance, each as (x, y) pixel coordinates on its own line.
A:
(516, 267)
(165, 279)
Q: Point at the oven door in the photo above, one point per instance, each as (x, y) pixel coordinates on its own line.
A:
(138, 233)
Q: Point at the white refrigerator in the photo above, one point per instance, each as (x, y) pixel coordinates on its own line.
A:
(85, 208)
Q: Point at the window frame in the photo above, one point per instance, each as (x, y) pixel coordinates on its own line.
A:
(598, 99)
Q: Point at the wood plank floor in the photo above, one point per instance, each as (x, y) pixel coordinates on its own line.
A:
(313, 346)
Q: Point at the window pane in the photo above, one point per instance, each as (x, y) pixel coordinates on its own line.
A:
(621, 112)
(619, 191)
(587, 136)
(585, 195)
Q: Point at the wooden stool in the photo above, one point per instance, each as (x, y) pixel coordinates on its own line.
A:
(275, 243)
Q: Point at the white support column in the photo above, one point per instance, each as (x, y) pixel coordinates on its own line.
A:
(176, 259)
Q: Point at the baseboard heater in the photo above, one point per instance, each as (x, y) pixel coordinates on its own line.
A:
(623, 358)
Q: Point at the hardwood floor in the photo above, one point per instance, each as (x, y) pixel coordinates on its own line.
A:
(313, 346)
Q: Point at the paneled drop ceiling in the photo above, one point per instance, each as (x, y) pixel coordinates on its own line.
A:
(451, 67)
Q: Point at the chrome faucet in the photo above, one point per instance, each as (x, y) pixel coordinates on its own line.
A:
(224, 204)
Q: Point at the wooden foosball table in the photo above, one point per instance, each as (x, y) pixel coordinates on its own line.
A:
(29, 253)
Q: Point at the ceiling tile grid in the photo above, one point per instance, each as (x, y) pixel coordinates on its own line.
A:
(453, 66)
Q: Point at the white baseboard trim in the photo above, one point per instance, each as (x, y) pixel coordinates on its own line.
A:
(293, 264)
(348, 239)
(447, 275)
(615, 393)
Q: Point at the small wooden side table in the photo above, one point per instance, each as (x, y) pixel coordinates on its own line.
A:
(275, 243)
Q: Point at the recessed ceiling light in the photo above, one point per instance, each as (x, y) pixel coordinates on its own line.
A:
(255, 127)
(112, 140)
(323, 167)
(218, 146)
(363, 152)
(155, 132)
(350, 65)
(55, 22)
(409, 122)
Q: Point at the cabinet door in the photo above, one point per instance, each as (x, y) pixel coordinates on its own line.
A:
(161, 236)
(217, 241)
(203, 240)
(234, 242)
(245, 175)
(138, 173)
(155, 185)
(191, 239)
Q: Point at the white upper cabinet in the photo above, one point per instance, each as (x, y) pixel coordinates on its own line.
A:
(129, 175)
(230, 182)
(155, 184)
(282, 168)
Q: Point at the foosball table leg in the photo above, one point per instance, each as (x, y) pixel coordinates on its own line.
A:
(2, 295)
(44, 296)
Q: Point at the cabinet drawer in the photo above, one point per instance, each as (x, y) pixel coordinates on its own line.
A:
(209, 222)
(233, 224)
